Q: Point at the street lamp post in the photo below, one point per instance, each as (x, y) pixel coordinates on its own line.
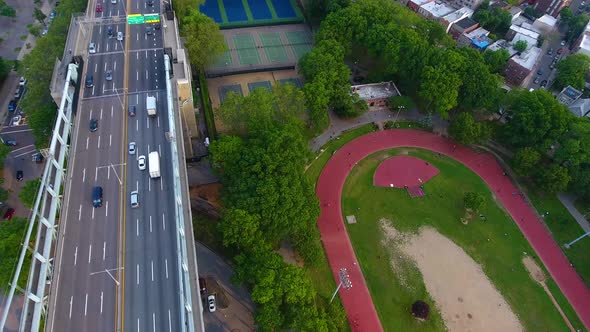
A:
(344, 280)
(569, 244)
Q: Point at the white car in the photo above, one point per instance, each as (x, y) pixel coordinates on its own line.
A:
(132, 148)
(16, 120)
(92, 48)
(22, 81)
(134, 198)
(141, 163)
(120, 36)
(211, 303)
(113, 1)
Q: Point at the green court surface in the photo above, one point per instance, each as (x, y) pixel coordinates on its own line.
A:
(246, 48)
(273, 47)
(299, 41)
(262, 84)
(226, 89)
(225, 59)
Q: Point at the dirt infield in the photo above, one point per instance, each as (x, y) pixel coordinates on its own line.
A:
(357, 300)
(458, 291)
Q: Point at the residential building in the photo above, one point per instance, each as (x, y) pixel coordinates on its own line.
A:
(551, 7)
(583, 43)
(416, 4)
(527, 34)
(448, 20)
(477, 38)
(572, 98)
(473, 4)
(376, 94)
(435, 10)
(465, 25)
(521, 65)
(545, 24)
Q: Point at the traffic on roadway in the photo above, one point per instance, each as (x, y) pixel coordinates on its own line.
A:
(117, 263)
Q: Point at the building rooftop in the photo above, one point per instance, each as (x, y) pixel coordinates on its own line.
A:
(477, 33)
(466, 23)
(585, 40)
(375, 90)
(459, 14)
(547, 19)
(569, 95)
(419, 3)
(526, 30)
(515, 11)
(529, 40)
(438, 9)
(528, 58)
(580, 107)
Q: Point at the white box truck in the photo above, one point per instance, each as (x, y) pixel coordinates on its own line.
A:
(150, 103)
(154, 164)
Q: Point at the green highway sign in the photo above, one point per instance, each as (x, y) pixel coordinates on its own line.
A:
(152, 18)
(135, 19)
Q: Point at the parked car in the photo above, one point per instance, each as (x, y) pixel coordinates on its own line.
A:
(9, 214)
(148, 30)
(12, 106)
(550, 51)
(93, 125)
(211, 303)
(22, 81)
(113, 1)
(203, 285)
(38, 158)
(52, 15)
(560, 50)
(20, 90)
(537, 80)
(110, 31)
(544, 83)
(563, 43)
(9, 142)
(19, 175)
(16, 120)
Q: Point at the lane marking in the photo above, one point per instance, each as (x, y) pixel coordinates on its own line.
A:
(105, 66)
(96, 67)
(104, 249)
(110, 139)
(137, 273)
(148, 123)
(90, 116)
(137, 125)
(158, 122)
(76, 256)
(160, 150)
(149, 184)
(166, 265)
(86, 305)
(71, 300)
(112, 110)
(150, 224)
(169, 322)
(83, 176)
(89, 253)
(146, 74)
(115, 65)
(108, 173)
(95, 174)
(163, 222)
(152, 270)
(99, 141)
(161, 184)
(80, 213)
(137, 76)
(137, 185)
(137, 324)
(107, 210)
(137, 228)
(101, 113)
(93, 214)
(101, 295)
(154, 321)
(87, 141)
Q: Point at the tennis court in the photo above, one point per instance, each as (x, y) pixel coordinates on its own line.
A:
(255, 85)
(246, 48)
(273, 47)
(226, 89)
(299, 41)
(239, 13)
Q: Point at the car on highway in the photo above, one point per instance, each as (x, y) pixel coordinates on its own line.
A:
(89, 81)
(19, 175)
(110, 31)
(99, 7)
(157, 26)
(132, 148)
(93, 125)
(132, 110)
(211, 303)
(12, 105)
(92, 48)
(97, 196)
(148, 30)
(109, 75)
(150, 3)
(544, 83)
(141, 163)
(113, 1)
(9, 214)
(134, 199)
(120, 36)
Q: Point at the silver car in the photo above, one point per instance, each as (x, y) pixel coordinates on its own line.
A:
(134, 199)
(132, 148)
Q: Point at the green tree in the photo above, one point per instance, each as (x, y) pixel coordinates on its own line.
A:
(204, 42)
(537, 119)
(566, 15)
(576, 26)
(480, 89)
(3, 195)
(572, 71)
(496, 60)
(240, 228)
(11, 233)
(6, 10)
(182, 8)
(28, 193)
(400, 103)
(317, 99)
(474, 201)
(39, 15)
(5, 68)
(496, 20)
(525, 160)
(553, 178)
(465, 130)
(4, 151)
(521, 45)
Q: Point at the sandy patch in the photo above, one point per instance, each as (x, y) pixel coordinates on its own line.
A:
(463, 294)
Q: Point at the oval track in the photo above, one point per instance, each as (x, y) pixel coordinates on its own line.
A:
(357, 301)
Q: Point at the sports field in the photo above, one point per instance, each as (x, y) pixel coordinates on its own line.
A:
(492, 241)
(238, 13)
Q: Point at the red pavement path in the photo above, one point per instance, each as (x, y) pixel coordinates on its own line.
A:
(357, 301)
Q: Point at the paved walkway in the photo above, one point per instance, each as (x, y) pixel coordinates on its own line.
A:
(568, 201)
(357, 299)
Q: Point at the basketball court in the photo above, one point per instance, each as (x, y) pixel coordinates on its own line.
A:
(232, 13)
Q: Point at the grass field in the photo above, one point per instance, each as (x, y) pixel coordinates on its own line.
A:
(442, 208)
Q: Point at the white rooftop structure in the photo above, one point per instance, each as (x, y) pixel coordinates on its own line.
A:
(529, 41)
(375, 90)
(456, 16)
(419, 3)
(584, 47)
(547, 19)
(435, 9)
(526, 29)
(528, 58)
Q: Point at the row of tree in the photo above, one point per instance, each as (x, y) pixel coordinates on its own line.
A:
(38, 104)
(268, 200)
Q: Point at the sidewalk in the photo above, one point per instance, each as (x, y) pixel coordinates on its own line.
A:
(568, 201)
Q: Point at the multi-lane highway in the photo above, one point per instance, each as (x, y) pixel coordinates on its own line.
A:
(117, 265)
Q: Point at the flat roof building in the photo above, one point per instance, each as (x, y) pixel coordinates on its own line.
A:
(376, 94)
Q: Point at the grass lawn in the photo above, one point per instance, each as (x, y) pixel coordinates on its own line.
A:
(442, 208)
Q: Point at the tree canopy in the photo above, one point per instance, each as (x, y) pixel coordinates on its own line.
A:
(496, 19)
(572, 71)
(525, 161)
(28, 193)
(204, 42)
(6, 10)
(465, 130)
(521, 45)
(474, 201)
(11, 237)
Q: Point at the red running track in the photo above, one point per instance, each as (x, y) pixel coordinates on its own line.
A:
(357, 301)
